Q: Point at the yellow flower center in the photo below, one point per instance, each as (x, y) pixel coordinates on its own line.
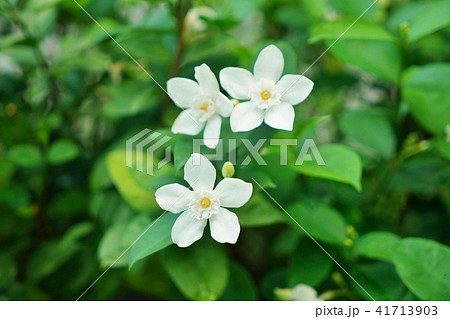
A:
(205, 202)
(265, 95)
(204, 106)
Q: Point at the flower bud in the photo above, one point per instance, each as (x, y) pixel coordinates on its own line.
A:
(352, 232)
(227, 170)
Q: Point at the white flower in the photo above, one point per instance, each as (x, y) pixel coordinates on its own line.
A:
(271, 98)
(300, 292)
(305, 293)
(194, 22)
(203, 105)
(204, 202)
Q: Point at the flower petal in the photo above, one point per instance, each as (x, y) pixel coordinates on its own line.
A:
(280, 116)
(223, 105)
(237, 82)
(225, 226)
(199, 172)
(269, 64)
(186, 123)
(303, 292)
(233, 192)
(207, 80)
(174, 198)
(245, 117)
(182, 91)
(212, 131)
(294, 88)
(187, 229)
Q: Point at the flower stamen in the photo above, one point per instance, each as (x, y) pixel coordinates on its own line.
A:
(265, 95)
(204, 106)
(205, 202)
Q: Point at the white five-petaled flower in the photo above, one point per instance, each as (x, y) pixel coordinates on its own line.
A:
(203, 105)
(271, 98)
(204, 203)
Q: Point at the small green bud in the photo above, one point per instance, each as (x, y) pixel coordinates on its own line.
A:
(348, 242)
(338, 279)
(283, 294)
(352, 232)
(227, 170)
(404, 29)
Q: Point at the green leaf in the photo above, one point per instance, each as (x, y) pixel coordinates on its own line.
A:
(67, 204)
(432, 17)
(342, 164)
(200, 271)
(424, 266)
(275, 278)
(88, 37)
(133, 185)
(390, 287)
(308, 127)
(181, 153)
(109, 208)
(95, 61)
(240, 286)
(426, 88)
(16, 198)
(22, 54)
(258, 211)
(8, 271)
(117, 240)
(130, 99)
(155, 282)
(381, 56)
(290, 56)
(442, 146)
(141, 41)
(75, 233)
(362, 30)
(40, 5)
(25, 155)
(377, 245)
(6, 171)
(285, 243)
(51, 255)
(404, 13)
(99, 177)
(308, 265)
(321, 221)
(246, 173)
(422, 175)
(40, 23)
(356, 7)
(157, 237)
(369, 127)
(62, 151)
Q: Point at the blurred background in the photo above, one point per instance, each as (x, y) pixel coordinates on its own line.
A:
(70, 97)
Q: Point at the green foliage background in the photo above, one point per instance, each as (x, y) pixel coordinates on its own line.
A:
(380, 108)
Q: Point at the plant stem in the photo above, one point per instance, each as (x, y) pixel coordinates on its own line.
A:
(180, 9)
